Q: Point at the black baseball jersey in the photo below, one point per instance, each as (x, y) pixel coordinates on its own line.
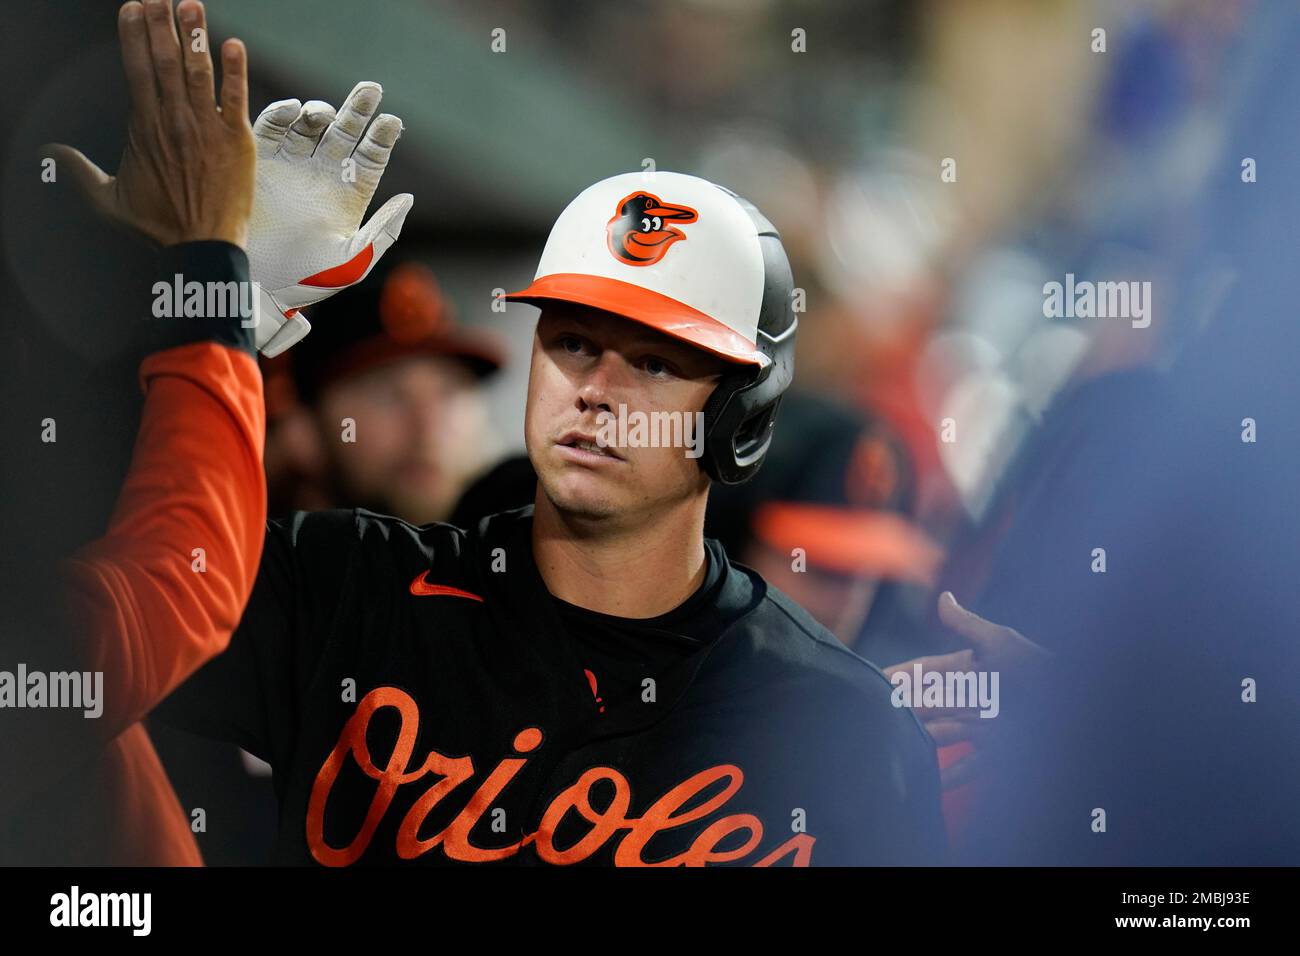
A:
(422, 698)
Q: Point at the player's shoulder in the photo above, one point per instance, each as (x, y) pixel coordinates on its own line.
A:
(345, 527)
(817, 683)
(386, 539)
(338, 536)
(788, 633)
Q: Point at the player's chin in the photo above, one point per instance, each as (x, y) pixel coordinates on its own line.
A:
(582, 492)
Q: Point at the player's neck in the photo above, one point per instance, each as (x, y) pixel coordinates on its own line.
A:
(607, 569)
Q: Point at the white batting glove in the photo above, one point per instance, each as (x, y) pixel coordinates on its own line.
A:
(316, 174)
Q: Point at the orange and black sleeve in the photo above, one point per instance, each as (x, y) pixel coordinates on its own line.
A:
(152, 599)
(162, 590)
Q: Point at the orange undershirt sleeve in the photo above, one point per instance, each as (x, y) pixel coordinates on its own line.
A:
(161, 592)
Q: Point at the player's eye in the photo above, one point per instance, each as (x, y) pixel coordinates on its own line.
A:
(572, 344)
(657, 367)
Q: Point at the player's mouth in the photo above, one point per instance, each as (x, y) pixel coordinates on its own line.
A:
(580, 447)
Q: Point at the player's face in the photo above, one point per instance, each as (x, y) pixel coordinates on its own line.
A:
(585, 362)
(419, 425)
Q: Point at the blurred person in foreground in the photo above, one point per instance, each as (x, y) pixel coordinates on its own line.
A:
(118, 594)
(1155, 541)
(160, 592)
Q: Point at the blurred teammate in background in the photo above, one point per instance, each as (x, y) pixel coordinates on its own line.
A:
(392, 391)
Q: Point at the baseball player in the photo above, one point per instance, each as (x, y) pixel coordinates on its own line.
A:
(583, 680)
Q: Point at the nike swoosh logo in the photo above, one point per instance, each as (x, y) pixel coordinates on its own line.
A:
(420, 587)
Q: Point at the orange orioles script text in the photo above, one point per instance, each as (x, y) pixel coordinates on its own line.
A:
(664, 814)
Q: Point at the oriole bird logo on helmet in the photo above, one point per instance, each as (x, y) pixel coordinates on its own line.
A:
(640, 232)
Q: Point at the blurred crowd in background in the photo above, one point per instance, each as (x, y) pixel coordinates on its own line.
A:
(930, 165)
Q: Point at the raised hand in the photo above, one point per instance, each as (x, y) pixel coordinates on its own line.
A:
(317, 171)
(188, 169)
(993, 647)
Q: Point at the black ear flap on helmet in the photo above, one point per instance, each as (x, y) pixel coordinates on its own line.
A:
(740, 415)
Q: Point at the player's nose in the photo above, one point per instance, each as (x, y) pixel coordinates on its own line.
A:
(592, 397)
(600, 384)
(426, 420)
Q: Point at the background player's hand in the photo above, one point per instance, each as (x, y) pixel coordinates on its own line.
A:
(317, 171)
(994, 647)
(188, 168)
